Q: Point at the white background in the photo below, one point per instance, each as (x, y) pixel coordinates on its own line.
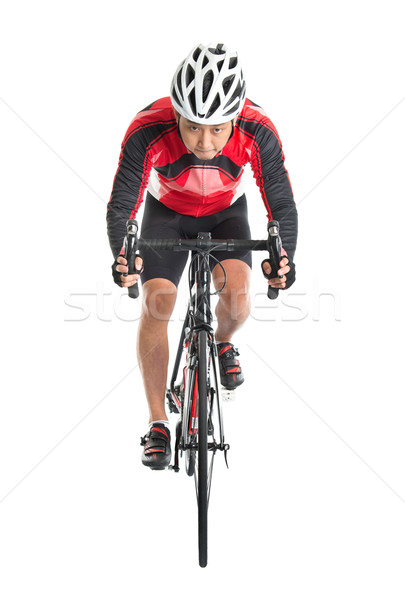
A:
(313, 505)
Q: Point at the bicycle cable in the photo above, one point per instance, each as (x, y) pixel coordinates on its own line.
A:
(206, 255)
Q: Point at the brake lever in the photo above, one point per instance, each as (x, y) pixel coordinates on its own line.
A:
(130, 252)
(274, 247)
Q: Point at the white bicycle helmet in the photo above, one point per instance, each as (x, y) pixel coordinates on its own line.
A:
(208, 86)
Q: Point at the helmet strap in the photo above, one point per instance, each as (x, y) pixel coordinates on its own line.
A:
(232, 132)
(178, 127)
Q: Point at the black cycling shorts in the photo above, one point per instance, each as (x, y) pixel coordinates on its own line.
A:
(160, 222)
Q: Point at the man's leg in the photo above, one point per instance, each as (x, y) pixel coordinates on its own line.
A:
(232, 311)
(159, 298)
(233, 306)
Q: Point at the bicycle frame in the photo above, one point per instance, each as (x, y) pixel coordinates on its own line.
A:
(182, 398)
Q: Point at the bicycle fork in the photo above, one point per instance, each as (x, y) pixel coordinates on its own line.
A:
(177, 396)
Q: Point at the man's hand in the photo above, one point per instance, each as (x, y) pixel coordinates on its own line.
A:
(120, 269)
(287, 271)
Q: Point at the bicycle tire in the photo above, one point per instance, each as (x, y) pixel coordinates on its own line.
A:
(188, 425)
(202, 449)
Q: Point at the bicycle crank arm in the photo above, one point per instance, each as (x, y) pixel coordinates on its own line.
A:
(176, 467)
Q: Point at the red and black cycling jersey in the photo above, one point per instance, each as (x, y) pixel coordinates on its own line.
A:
(154, 158)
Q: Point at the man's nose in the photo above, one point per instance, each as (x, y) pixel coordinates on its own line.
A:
(204, 140)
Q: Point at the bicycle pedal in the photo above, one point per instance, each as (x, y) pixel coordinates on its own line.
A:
(228, 395)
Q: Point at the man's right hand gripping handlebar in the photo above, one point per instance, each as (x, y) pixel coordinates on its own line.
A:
(128, 266)
(278, 269)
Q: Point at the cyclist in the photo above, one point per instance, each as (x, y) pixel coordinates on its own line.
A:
(188, 153)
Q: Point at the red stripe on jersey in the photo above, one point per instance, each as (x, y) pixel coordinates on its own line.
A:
(269, 125)
(137, 127)
(146, 171)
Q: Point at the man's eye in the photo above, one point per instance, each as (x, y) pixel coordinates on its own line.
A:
(217, 130)
(194, 128)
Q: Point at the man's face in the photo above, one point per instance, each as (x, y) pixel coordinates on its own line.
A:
(205, 141)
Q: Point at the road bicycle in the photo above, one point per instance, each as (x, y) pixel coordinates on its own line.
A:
(196, 397)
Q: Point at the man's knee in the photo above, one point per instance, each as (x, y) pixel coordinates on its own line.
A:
(235, 295)
(159, 299)
(237, 302)
(237, 281)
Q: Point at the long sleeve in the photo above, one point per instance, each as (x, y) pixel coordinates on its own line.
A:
(273, 181)
(129, 186)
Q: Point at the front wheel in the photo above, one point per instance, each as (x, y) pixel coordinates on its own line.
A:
(202, 448)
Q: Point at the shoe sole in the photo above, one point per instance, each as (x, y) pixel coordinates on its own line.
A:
(153, 467)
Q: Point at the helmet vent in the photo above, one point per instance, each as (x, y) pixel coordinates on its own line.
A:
(191, 99)
(214, 106)
(205, 62)
(175, 96)
(233, 62)
(189, 75)
(227, 82)
(179, 86)
(197, 53)
(207, 84)
(238, 93)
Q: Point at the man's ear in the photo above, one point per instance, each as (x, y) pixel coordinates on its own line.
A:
(176, 114)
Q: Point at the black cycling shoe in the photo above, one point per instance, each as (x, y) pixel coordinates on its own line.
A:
(156, 453)
(229, 367)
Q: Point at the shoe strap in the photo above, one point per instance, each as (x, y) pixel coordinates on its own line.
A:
(158, 435)
(229, 359)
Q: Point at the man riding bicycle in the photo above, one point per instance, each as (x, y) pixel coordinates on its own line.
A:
(188, 153)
